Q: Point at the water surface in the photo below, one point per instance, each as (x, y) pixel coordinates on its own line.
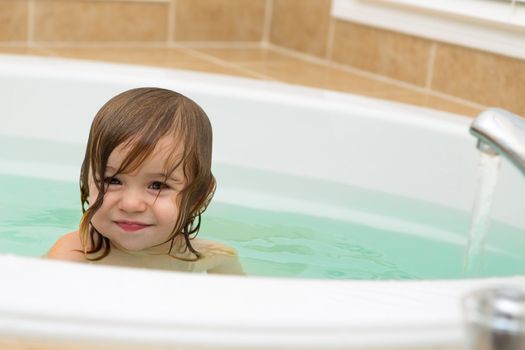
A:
(345, 233)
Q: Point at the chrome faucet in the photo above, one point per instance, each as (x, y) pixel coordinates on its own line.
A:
(501, 132)
(494, 318)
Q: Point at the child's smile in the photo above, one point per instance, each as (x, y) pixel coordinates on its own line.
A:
(131, 226)
(140, 208)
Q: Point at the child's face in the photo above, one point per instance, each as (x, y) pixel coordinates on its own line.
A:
(139, 210)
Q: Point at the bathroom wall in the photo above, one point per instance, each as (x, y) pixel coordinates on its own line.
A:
(482, 77)
(302, 27)
(61, 22)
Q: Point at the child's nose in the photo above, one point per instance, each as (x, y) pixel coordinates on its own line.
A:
(132, 200)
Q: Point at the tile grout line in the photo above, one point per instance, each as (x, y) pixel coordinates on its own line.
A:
(268, 19)
(430, 68)
(330, 39)
(298, 55)
(219, 44)
(455, 99)
(172, 8)
(222, 63)
(153, 1)
(30, 22)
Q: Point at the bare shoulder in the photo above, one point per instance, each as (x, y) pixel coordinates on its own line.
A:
(67, 247)
(218, 257)
(209, 248)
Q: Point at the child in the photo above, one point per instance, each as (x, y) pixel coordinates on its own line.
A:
(146, 178)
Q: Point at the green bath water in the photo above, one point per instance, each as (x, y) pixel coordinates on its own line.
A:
(316, 229)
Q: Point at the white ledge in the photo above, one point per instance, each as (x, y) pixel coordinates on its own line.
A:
(489, 26)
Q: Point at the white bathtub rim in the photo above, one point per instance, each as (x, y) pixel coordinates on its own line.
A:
(52, 311)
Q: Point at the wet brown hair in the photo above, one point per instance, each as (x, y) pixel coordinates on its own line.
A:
(138, 119)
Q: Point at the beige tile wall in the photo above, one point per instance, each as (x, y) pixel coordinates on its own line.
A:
(131, 21)
(13, 21)
(394, 55)
(219, 20)
(483, 77)
(304, 27)
(480, 77)
(99, 21)
(301, 25)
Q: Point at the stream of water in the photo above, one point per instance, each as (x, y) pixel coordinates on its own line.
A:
(488, 170)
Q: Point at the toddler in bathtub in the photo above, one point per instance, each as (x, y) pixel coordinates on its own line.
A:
(146, 179)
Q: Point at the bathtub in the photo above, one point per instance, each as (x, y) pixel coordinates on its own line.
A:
(395, 148)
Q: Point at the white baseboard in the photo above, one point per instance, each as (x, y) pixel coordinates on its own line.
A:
(480, 24)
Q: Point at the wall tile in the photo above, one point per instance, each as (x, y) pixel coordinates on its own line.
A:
(13, 20)
(383, 52)
(479, 76)
(301, 25)
(100, 21)
(219, 20)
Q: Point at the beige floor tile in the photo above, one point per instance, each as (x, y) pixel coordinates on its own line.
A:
(158, 57)
(24, 51)
(254, 63)
(242, 55)
(295, 71)
(148, 56)
(318, 75)
(429, 101)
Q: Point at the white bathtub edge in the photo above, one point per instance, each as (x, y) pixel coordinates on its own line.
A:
(349, 313)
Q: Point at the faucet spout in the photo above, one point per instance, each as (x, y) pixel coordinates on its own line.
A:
(501, 132)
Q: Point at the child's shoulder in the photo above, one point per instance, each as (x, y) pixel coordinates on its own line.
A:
(67, 247)
(210, 248)
(218, 257)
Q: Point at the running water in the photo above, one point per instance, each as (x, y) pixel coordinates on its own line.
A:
(488, 165)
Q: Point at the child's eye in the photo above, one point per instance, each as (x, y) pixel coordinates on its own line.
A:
(157, 185)
(111, 181)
